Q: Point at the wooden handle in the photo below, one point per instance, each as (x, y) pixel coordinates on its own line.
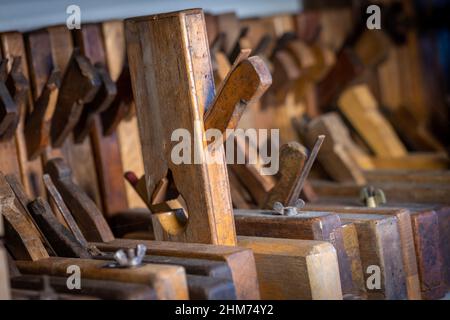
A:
(246, 82)
(72, 97)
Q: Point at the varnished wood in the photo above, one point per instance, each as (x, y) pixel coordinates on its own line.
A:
(210, 215)
(169, 282)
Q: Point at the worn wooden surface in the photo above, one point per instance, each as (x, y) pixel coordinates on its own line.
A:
(70, 99)
(8, 109)
(319, 226)
(209, 208)
(60, 238)
(78, 156)
(295, 269)
(351, 247)
(22, 238)
(406, 238)
(379, 243)
(426, 241)
(5, 293)
(443, 214)
(106, 149)
(397, 192)
(292, 159)
(360, 107)
(240, 261)
(13, 45)
(86, 214)
(246, 82)
(339, 156)
(106, 290)
(169, 282)
(117, 118)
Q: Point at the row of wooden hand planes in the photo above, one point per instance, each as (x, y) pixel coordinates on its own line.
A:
(77, 99)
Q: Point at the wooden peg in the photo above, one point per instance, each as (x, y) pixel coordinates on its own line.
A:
(37, 126)
(208, 209)
(70, 99)
(246, 82)
(88, 217)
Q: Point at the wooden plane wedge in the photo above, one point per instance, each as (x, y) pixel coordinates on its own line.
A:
(71, 99)
(8, 107)
(38, 122)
